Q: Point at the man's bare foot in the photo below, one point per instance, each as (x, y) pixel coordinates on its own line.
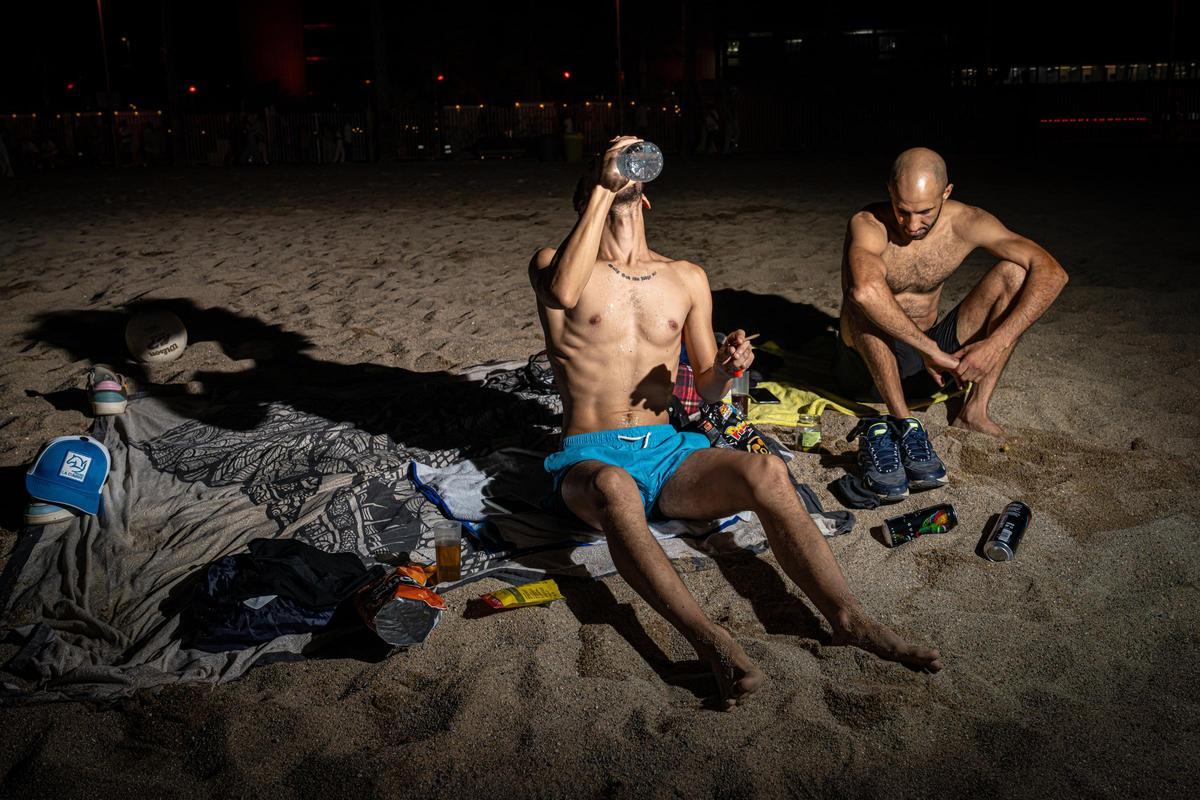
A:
(736, 674)
(971, 420)
(883, 642)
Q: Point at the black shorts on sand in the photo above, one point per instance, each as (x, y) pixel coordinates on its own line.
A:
(854, 378)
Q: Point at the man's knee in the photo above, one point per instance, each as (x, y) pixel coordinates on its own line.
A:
(1011, 277)
(766, 477)
(613, 483)
(853, 322)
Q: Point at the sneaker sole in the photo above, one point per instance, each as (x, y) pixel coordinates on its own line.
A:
(47, 519)
(929, 483)
(887, 498)
(108, 409)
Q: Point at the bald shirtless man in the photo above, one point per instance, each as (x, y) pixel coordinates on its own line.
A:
(896, 259)
(614, 312)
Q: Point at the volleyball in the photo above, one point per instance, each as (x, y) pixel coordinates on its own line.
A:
(155, 337)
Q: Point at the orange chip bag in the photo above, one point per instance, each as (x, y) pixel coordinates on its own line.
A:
(399, 607)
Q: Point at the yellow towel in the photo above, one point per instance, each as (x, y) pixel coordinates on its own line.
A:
(795, 398)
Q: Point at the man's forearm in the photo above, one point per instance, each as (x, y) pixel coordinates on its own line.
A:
(882, 310)
(712, 384)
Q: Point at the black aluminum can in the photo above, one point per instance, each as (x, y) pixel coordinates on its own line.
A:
(1006, 535)
(935, 519)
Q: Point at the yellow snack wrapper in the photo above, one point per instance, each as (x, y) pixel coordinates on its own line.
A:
(531, 594)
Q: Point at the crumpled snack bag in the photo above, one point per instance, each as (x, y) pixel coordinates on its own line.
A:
(725, 427)
(399, 607)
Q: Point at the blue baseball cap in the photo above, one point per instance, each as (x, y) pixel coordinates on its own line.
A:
(70, 471)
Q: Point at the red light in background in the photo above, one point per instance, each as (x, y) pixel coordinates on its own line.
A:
(441, 77)
(566, 74)
(70, 87)
(1091, 120)
(367, 82)
(192, 89)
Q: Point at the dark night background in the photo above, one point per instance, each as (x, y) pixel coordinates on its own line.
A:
(920, 72)
(213, 181)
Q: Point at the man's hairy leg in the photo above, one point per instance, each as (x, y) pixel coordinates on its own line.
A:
(714, 483)
(607, 498)
(872, 344)
(981, 311)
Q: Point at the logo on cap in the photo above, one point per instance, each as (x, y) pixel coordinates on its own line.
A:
(75, 466)
(70, 471)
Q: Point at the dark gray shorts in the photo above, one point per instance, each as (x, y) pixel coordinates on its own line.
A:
(854, 378)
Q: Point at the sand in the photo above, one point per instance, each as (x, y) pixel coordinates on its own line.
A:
(1069, 672)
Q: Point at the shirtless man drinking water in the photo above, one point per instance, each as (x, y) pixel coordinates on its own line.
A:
(614, 312)
(897, 257)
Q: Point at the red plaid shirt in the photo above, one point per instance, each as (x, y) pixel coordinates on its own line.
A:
(685, 389)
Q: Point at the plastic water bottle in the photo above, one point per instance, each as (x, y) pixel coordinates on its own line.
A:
(641, 161)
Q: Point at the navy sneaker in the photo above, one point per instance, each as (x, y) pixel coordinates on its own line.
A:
(924, 469)
(879, 459)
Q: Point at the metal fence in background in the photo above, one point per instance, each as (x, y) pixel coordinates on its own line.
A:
(527, 129)
(991, 118)
(143, 138)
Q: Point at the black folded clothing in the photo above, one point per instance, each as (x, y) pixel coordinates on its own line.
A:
(849, 490)
(280, 587)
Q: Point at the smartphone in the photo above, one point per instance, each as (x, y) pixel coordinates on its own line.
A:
(762, 396)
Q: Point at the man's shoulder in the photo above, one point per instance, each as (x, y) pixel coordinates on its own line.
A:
(966, 219)
(687, 267)
(868, 226)
(873, 212)
(688, 270)
(542, 257)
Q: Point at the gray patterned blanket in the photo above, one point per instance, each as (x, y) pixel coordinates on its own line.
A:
(94, 604)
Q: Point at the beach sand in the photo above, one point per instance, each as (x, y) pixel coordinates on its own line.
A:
(1071, 671)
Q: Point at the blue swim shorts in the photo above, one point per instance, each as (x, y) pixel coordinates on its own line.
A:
(650, 454)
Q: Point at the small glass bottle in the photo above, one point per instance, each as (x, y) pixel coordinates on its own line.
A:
(808, 432)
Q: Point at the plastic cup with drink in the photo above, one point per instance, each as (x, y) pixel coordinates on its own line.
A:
(447, 541)
(739, 392)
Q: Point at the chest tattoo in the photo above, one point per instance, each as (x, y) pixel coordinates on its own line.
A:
(633, 277)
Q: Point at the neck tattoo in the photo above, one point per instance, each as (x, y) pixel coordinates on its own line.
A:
(633, 277)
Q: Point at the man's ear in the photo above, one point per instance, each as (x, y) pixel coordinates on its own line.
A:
(645, 201)
(946, 194)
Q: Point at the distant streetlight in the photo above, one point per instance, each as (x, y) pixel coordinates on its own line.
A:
(620, 74)
(566, 74)
(108, 99)
(441, 77)
(192, 89)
